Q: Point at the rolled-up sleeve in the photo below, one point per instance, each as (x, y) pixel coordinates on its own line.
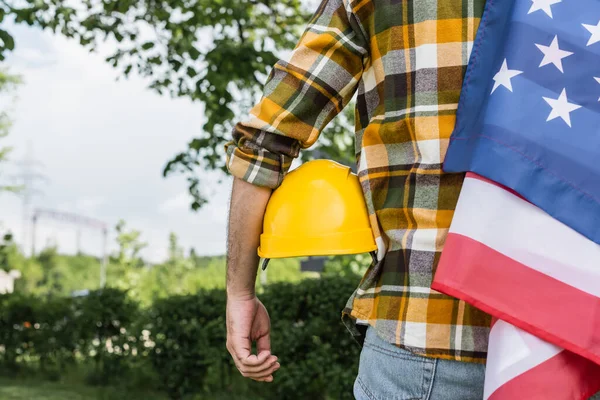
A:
(260, 157)
(301, 96)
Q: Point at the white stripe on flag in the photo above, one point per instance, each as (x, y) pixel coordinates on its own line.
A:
(499, 236)
(539, 241)
(512, 352)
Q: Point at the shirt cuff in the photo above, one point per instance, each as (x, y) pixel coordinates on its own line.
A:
(257, 166)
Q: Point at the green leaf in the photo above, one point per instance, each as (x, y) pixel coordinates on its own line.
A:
(9, 42)
(194, 53)
(123, 6)
(196, 144)
(148, 45)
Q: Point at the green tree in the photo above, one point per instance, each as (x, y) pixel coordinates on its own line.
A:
(175, 276)
(194, 258)
(202, 261)
(176, 270)
(8, 83)
(126, 265)
(50, 273)
(8, 252)
(175, 251)
(217, 52)
(32, 274)
(55, 272)
(130, 246)
(83, 272)
(347, 266)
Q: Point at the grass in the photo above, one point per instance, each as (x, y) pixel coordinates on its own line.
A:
(25, 382)
(38, 389)
(27, 389)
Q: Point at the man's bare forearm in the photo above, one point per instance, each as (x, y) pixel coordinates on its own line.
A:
(247, 209)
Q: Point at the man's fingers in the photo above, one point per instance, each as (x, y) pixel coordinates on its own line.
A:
(254, 369)
(239, 347)
(238, 365)
(260, 376)
(263, 343)
(267, 379)
(253, 360)
(255, 366)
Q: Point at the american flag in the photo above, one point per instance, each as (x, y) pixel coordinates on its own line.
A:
(525, 243)
(540, 279)
(529, 113)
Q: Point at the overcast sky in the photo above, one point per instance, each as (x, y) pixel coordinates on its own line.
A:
(102, 144)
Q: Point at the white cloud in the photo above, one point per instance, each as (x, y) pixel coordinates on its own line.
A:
(89, 204)
(103, 144)
(179, 202)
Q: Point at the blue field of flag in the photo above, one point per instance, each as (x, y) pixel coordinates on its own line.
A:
(529, 114)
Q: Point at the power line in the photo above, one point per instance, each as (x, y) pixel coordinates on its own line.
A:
(28, 178)
(79, 221)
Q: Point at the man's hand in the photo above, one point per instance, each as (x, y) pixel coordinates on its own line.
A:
(248, 322)
(247, 319)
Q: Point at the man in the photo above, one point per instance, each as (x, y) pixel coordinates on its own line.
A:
(406, 60)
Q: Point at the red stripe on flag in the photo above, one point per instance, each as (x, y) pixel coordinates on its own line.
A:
(564, 376)
(537, 303)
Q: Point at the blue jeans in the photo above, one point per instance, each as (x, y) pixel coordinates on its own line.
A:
(387, 372)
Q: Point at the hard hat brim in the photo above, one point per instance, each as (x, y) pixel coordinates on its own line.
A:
(355, 242)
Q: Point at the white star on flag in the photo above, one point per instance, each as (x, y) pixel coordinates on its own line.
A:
(595, 31)
(543, 5)
(597, 80)
(552, 54)
(561, 107)
(502, 77)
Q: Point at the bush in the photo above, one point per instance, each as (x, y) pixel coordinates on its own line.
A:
(182, 339)
(105, 323)
(16, 333)
(54, 339)
(319, 358)
(35, 331)
(187, 339)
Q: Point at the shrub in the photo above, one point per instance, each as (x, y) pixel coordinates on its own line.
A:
(37, 331)
(187, 340)
(17, 321)
(105, 327)
(183, 339)
(54, 341)
(319, 358)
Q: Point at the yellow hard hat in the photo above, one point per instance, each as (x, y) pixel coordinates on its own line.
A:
(318, 210)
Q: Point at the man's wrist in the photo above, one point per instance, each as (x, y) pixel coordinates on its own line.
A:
(240, 295)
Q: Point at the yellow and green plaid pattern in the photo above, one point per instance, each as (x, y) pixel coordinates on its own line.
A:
(406, 59)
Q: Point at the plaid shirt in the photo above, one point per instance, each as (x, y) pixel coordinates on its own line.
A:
(406, 59)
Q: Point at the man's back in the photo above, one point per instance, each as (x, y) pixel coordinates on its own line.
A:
(406, 60)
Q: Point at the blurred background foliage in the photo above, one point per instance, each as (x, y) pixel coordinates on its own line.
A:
(52, 274)
(174, 346)
(157, 330)
(216, 52)
(8, 84)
